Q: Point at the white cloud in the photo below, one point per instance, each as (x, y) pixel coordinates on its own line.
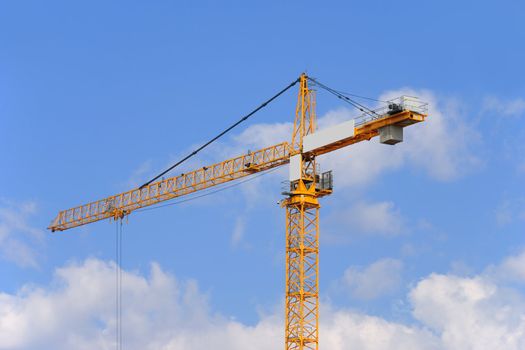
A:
(378, 279)
(470, 313)
(513, 267)
(262, 135)
(76, 311)
(514, 107)
(380, 218)
(17, 236)
(477, 312)
(343, 330)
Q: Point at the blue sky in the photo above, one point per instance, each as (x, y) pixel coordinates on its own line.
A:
(97, 97)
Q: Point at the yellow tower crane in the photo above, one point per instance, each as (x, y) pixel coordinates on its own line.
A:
(306, 186)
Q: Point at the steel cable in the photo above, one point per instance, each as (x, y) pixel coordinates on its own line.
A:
(118, 285)
(264, 104)
(347, 99)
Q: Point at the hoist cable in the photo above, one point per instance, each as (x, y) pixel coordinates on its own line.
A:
(352, 102)
(339, 94)
(118, 285)
(347, 99)
(223, 132)
(360, 96)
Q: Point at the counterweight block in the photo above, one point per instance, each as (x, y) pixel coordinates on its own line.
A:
(391, 134)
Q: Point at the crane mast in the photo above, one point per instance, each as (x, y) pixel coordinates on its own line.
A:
(302, 234)
(306, 185)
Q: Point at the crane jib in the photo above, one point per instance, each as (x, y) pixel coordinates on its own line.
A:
(212, 175)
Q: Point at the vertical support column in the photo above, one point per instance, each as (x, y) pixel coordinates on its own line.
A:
(302, 236)
(302, 273)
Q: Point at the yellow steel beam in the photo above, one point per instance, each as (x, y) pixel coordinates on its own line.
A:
(122, 204)
(371, 128)
(302, 238)
(302, 271)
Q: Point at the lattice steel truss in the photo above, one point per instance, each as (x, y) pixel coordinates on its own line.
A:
(302, 237)
(302, 275)
(124, 203)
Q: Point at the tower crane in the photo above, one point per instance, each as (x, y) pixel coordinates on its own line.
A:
(305, 186)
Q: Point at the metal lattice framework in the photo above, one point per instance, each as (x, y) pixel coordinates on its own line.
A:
(302, 276)
(302, 237)
(124, 203)
(304, 123)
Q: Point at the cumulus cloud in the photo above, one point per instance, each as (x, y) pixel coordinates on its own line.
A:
(470, 313)
(76, 311)
(17, 236)
(511, 269)
(263, 135)
(478, 312)
(510, 107)
(378, 279)
(514, 267)
(343, 330)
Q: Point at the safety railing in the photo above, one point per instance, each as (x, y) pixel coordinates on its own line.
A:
(396, 105)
